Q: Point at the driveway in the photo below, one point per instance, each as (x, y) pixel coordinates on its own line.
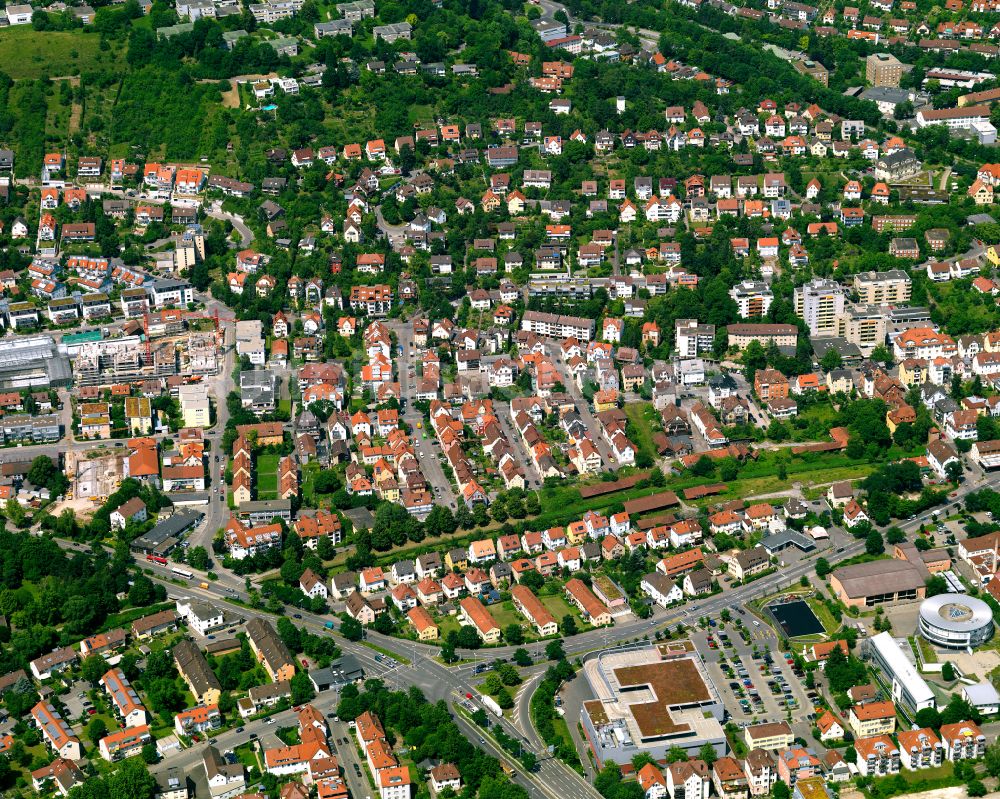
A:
(425, 448)
(583, 408)
(246, 235)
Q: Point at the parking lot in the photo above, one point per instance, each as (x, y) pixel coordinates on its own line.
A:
(755, 685)
(76, 700)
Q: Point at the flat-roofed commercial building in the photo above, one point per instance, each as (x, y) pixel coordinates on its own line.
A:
(904, 683)
(955, 621)
(649, 700)
(986, 454)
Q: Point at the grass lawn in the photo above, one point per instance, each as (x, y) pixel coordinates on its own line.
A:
(290, 735)
(823, 614)
(562, 730)
(447, 624)
(641, 416)
(247, 755)
(27, 53)
(267, 476)
(558, 607)
(821, 471)
(392, 655)
(126, 617)
(505, 614)
(926, 650)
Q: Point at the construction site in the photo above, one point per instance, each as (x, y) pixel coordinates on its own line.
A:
(96, 473)
(171, 343)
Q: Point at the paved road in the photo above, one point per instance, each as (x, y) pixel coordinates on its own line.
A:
(436, 681)
(583, 408)
(505, 416)
(427, 449)
(217, 512)
(396, 234)
(246, 235)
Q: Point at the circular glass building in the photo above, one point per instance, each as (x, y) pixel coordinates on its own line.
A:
(955, 621)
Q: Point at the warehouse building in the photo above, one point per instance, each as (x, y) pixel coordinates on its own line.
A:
(865, 585)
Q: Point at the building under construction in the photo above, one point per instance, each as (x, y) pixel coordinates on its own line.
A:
(123, 360)
(172, 343)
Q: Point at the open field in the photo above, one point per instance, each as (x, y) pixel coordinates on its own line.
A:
(26, 53)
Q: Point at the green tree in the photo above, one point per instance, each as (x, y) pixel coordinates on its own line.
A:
(568, 625)
(822, 567)
(780, 790)
(831, 360)
(521, 657)
(777, 431)
(302, 688)
(93, 668)
(882, 354)
(504, 699)
(928, 717)
(703, 467)
(96, 729)
(874, 545)
(992, 759)
(642, 759)
(150, 754)
(15, 513)
(468, 638)
(953, 471)
(959, 709)
(708, 754)
(513, 634)
(131, 781)
(728, 470)
(197, 558)
(947, 671)
(843, 671)
(754, 358)
(351, 628)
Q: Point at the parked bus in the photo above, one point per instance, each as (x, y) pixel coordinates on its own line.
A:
(156, 559)
(182, 573)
